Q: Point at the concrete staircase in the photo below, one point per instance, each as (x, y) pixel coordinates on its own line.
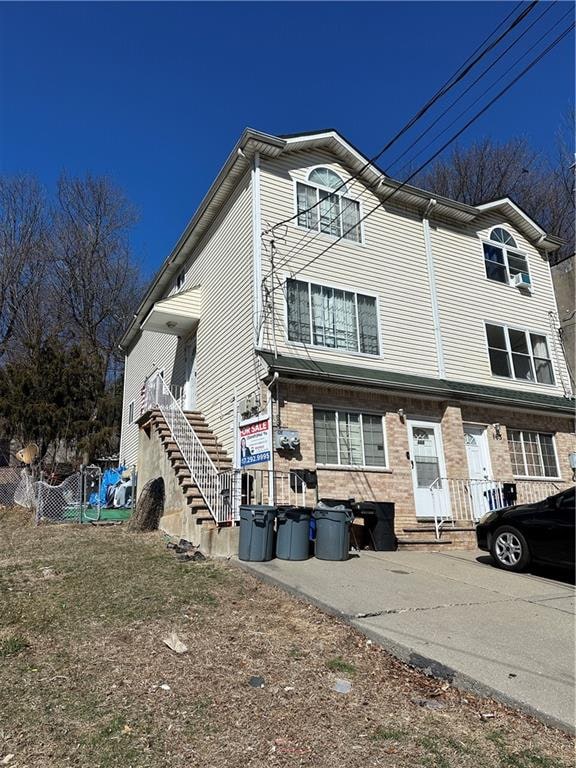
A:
(214, 449)
(422, 537)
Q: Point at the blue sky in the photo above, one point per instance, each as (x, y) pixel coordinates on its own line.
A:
(155, 95)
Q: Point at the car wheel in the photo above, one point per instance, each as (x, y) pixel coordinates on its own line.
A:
(509, 549)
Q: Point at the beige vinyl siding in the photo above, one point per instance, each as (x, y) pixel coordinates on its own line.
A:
(467, 298)
(222, 266)
(150, 352)
(390, 262)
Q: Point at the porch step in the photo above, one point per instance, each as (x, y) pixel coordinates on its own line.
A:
(194, 499)
(424, 545)
(432, 529)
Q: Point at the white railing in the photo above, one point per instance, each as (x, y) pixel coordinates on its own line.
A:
(265, 486)
(462, 500)
(203, 471)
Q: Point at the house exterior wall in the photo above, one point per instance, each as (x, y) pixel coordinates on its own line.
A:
(467, 299)
(222, 265)
(296, 407)
(564, 278)
(391, 262)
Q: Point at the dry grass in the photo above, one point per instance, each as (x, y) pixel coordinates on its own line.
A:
(83, 611)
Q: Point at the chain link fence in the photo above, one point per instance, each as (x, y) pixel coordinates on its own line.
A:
(16, 487)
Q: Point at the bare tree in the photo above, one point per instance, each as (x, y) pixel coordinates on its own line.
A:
(487, 171)
(96, 279)
(23, 252)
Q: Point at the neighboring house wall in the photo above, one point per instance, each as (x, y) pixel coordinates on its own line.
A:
(391, 262)
(222, 265)
(564, 276)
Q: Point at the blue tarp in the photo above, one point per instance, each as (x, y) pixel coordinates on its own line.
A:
(111, 477)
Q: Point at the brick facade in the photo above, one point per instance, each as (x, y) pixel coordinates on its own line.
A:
(295, 404)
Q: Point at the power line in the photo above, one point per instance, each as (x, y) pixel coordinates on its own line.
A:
(453, 138)
(460, 73)
(480, 76)
(305, 239)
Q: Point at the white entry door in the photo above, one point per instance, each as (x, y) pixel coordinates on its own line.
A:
(478, 468)
(189, 399)
(427, 460)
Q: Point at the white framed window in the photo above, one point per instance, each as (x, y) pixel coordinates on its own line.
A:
(334, 213)
(347, 438)
(131, 412)
(332, 317)
(533, 454)
(502, 260)
(518, 354)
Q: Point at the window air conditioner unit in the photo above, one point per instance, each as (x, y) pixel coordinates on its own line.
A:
(522, 280)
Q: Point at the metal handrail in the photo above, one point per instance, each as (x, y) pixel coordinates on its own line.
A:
(468, 499)
(202, 469)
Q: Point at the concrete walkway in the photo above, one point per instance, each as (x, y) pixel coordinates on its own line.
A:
(510, 636)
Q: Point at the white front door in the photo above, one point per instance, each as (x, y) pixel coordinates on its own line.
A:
(189, 399)
(478, 468)
(427, 461)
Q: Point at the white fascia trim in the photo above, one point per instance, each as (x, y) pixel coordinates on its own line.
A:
(433, 291)
(512, 204)
(334, 135)
(256, 249)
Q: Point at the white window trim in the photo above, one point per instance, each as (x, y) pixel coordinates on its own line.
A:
(359, 467)
(505, 249)
(536, 477)
(509, 353)
(346, 195)
(132, 405)
(323, 284)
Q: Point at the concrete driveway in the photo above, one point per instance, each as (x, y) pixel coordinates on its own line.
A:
(510, 636)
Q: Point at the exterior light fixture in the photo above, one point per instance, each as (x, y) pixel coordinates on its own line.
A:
(497, 431)
(171, 324)
(401, 414)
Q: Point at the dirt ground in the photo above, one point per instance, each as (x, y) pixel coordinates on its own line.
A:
(86, 680)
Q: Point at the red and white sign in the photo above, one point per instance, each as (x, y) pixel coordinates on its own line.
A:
(255, 435)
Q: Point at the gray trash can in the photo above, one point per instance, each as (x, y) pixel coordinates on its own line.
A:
(256, 532)
(292, 535)
(332, 532)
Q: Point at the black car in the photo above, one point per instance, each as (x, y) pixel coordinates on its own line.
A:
(542, 532)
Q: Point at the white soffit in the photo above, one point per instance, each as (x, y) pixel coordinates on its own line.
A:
(176, 315)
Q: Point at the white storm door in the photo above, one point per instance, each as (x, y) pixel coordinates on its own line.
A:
(428, 468)
(190, 384)
(478, 468)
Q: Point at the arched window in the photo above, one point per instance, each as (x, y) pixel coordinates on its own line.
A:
(324, 206)
(501, 259)
(501, 235)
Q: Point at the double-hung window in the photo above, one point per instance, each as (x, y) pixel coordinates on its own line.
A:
(331, 317)
(324, 206)
(349, 439)
(519, 354)
(532, 454)
(502, 260)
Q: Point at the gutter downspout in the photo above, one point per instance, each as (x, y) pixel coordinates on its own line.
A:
(433, 292)
(256, 250)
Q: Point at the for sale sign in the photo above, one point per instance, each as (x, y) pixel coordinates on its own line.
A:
(255, 440)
